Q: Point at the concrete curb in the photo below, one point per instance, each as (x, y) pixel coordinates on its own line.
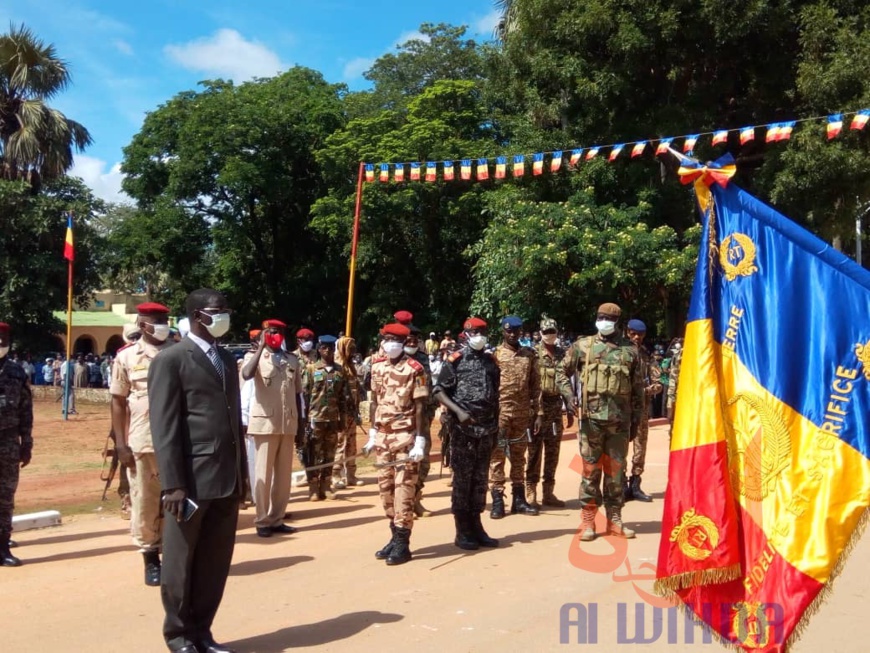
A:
(33, 520)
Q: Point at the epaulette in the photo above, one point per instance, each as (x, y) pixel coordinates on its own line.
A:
(120, 349)
(415, 364)
(378, 359)
(455, 356)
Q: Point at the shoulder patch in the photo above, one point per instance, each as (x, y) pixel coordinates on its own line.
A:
(415, 364)
(455, 356)
(120, 349)
(378, 359)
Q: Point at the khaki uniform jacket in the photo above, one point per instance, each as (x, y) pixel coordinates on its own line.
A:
(520, 389)
(277, 381)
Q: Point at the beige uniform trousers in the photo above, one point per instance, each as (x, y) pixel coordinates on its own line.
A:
(272, 485)
(146, 521)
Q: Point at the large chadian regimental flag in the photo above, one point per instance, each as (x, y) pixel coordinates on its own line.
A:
(68, 249)
(769, 474)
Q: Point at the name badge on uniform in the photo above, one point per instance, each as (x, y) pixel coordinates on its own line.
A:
(318, 375)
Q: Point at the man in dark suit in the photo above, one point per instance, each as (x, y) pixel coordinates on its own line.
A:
(193, 390)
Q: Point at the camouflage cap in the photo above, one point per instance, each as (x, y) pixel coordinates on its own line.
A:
(548, 323)
(610, 309)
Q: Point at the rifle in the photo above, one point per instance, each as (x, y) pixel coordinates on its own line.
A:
(444, 436)
(110, 459)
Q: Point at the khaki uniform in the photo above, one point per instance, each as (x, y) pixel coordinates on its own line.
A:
(612, 400)
(519, 396)
(650, 374)
(396, 389)
(347, 445)
(130, 380)
(325, 394)
(273, 424)
(554, 388)
(306, 358)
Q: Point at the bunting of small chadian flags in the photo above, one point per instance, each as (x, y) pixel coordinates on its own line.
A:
(775, 132)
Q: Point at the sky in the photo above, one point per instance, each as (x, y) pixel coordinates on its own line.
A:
(127, 58)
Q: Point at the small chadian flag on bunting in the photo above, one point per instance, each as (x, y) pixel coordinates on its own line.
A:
(591, 153)
(519, 168)
(785, 130)
(575, 157)
(689, 145)
(399, 173)
(500, 167)
(772, 135)
(615, 151)
(663, 146)
(638, 149)
(448, 171)
(556, 161)
(747, 134)
(465, 169)
(431, 171)
(835, 125)
(415, 172)
(720, 136)
(538, 164)
(482, 169)
(385, 172)
(370, 172)
(68, 250)
(860, 119)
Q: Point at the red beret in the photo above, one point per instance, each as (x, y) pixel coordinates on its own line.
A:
(4, 327)
(404, 317)
(474, 323)
(254, 333)
(396, 329)
(152, 308)
(305, 333)
(278, 324)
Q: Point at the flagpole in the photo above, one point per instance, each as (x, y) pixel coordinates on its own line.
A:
(69, 307)
(351, 286)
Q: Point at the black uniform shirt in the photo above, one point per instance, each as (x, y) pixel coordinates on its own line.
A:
(471, 379)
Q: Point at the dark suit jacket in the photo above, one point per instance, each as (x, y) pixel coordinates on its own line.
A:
(196, 422)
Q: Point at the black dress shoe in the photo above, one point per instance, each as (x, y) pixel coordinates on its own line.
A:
(211, 646)
(9, 560)
(284, 528)
(12, 544)
(190, 648)
(264, 531)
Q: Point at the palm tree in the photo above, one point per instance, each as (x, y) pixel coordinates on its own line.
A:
(507, 22)
(36, 141)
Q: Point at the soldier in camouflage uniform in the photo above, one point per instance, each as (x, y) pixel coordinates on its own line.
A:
(399, 396)
(16, 440)
(650, 373)
(673, 379)
(607, 368)
(324, 392)
(546, 442)
(519, 393)
(412, 349)
(344, 473)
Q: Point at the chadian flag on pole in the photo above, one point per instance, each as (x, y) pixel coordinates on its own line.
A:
(448, 171)
(769, 472)
(538, 164)
(835, 125)
(860, 119)
(519, 167)
(556, 161)
(68, 248)
(720, 136)
(500, 167)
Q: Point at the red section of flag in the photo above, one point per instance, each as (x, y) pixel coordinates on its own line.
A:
(68, 249)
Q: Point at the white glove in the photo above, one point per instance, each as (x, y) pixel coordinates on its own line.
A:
(370, 445)
(418, 452)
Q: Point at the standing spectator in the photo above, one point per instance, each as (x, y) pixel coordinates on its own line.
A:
(432, 345)
(48, 372)
(28, 368)
(447, 342)
(106, 369)
(80, 372)
(95, 377)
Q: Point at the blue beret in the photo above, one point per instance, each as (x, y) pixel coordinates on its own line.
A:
(326, 340)
(637, 325)
(512, 322)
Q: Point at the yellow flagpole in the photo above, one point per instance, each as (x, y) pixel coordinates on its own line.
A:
(67, 386)
(351, 286)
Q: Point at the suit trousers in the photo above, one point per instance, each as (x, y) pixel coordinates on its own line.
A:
(146, 520)
(272, 486)
(196, 561)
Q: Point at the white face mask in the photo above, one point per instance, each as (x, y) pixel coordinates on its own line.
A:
(477, 342)
(605, 327)
(411, 350)
(549, 338)
(220, 324)
(306, 345)
(161, 332)
(4, 351)
(393, 349)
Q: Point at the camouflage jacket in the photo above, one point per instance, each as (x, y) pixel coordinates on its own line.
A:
(609, 377)
(520, 388)
(16, 402)
(649, 372)
(325, 393)
(396, 389)
(554, 383)
(674, 376)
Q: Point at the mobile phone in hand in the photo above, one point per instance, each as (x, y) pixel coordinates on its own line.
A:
(188, 509)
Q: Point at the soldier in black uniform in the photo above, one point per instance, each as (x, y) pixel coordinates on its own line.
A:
(468, 388)
(16, 440)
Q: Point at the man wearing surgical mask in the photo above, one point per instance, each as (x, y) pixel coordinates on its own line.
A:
(306, 352)
(130, 413)
(612, 390)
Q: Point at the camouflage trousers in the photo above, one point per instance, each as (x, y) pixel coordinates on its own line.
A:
(397, 485)
(603, 447)
(321, 449)
(346, 447)
(424, 464)
(10, 459)
(510, 428)
(547, 442)
(638, 457)
(470, 452)
(146, 520)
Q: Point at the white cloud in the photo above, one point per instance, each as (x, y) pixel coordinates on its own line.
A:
(123, 47)
(486, 25)
(105, 185)
(355, 68)
(226, 54)
(413, 35)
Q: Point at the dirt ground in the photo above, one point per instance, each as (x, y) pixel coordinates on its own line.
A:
(321, 589)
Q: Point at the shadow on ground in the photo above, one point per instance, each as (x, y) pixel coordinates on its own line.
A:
(317, 634)
(253, 567)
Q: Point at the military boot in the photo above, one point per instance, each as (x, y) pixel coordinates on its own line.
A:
(338, 483)
(313, 487)
(327, 488)
(532, 494)
(587, 515)
(419, 510)
(384, 553)
(401, 552)
(464, 537)
(550, 499)
(152, 568)
(636, 492)
(519, 504)
(615, 525)
(6, 557)
(626, 491)
(322, 486)
(497, 504)
(479, 534)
